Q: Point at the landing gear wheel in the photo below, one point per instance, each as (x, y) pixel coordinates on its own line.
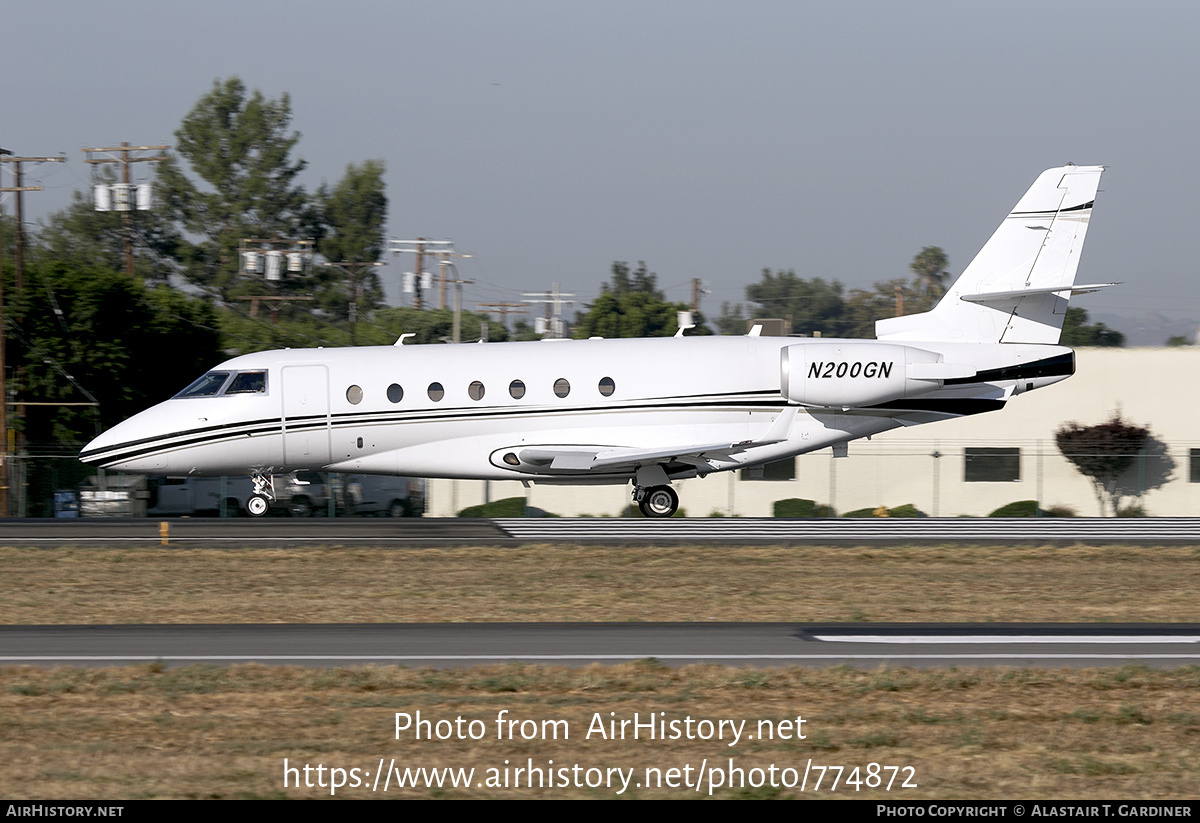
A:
(258, 505)
(660, 501)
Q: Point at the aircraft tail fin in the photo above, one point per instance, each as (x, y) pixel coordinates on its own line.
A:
(1017, 287)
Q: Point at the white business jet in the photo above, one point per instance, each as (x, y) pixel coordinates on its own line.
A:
(646, 411)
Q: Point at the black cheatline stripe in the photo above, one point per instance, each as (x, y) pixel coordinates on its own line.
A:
(1050, 212)
(265, 425)
(767, 396)
(962, 407)
(1060, 364)
(215, 434)
(212, 433)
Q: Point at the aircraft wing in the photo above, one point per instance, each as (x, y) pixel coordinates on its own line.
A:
(595, 458)
(583, 458)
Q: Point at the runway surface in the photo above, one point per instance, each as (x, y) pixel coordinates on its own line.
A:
(575, 644)
(578, 644)
(432, 532)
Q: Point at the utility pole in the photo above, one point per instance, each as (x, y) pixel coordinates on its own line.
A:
(19, 248)
(458, 284)
(416, 247)
(122, 154)
(553, 301)
(441, 249)
(6, 156)
(697, 290)
(503, 309)
(274, 259)
(354, 273)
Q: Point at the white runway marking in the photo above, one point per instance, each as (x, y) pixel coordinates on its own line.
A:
(986, 639)
(404, 658)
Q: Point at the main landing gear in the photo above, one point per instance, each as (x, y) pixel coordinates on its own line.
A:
(657, 501)
(264, 493)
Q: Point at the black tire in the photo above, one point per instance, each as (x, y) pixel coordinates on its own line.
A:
(660, 501)
(258, 505)
(231, 508)
(300, 507)
(398, 508)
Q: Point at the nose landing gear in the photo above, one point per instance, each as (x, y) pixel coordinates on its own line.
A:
(264, 492)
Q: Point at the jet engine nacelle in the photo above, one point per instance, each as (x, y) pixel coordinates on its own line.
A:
(844, 375)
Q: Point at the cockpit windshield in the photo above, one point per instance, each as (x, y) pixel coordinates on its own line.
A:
(219, 383)
(207, 386)
(248, 382)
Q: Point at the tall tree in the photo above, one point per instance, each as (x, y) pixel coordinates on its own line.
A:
(353, 214)
(631, 305)
(814, 305)
(239, 145)
(929, 268)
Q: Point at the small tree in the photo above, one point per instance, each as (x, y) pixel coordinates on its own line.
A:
(1102, 453)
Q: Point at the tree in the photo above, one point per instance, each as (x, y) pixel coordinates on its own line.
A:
(1102, 453)
(87, 238)
(353, 215)
(813, 305)
(632, 306)
(929, 269)
(1077, 332)
(93, 334)
(731, 320)
(239, 145)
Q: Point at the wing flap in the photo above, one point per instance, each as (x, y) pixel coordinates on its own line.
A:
(596, 458)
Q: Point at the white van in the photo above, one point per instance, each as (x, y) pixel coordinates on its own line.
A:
(301, 493)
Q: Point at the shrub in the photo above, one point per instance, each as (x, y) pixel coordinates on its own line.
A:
(508, 507)
(800, 507)
(907, 510)
(1021, 508)
(1029, 508)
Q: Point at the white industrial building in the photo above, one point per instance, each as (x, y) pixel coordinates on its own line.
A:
(968, 466)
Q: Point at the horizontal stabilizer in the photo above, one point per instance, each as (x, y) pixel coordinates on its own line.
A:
(1004, 296)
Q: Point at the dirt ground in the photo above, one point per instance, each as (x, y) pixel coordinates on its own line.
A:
(255, 731)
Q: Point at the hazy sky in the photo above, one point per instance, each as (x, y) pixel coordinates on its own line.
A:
(710, 139)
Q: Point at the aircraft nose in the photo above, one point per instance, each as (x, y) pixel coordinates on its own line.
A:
(135, 445)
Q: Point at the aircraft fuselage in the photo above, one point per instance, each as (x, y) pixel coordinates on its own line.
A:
(460, 411)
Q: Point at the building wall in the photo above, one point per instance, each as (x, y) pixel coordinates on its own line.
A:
(926, 465)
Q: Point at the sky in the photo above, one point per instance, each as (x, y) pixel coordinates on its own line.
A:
(709, 139)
